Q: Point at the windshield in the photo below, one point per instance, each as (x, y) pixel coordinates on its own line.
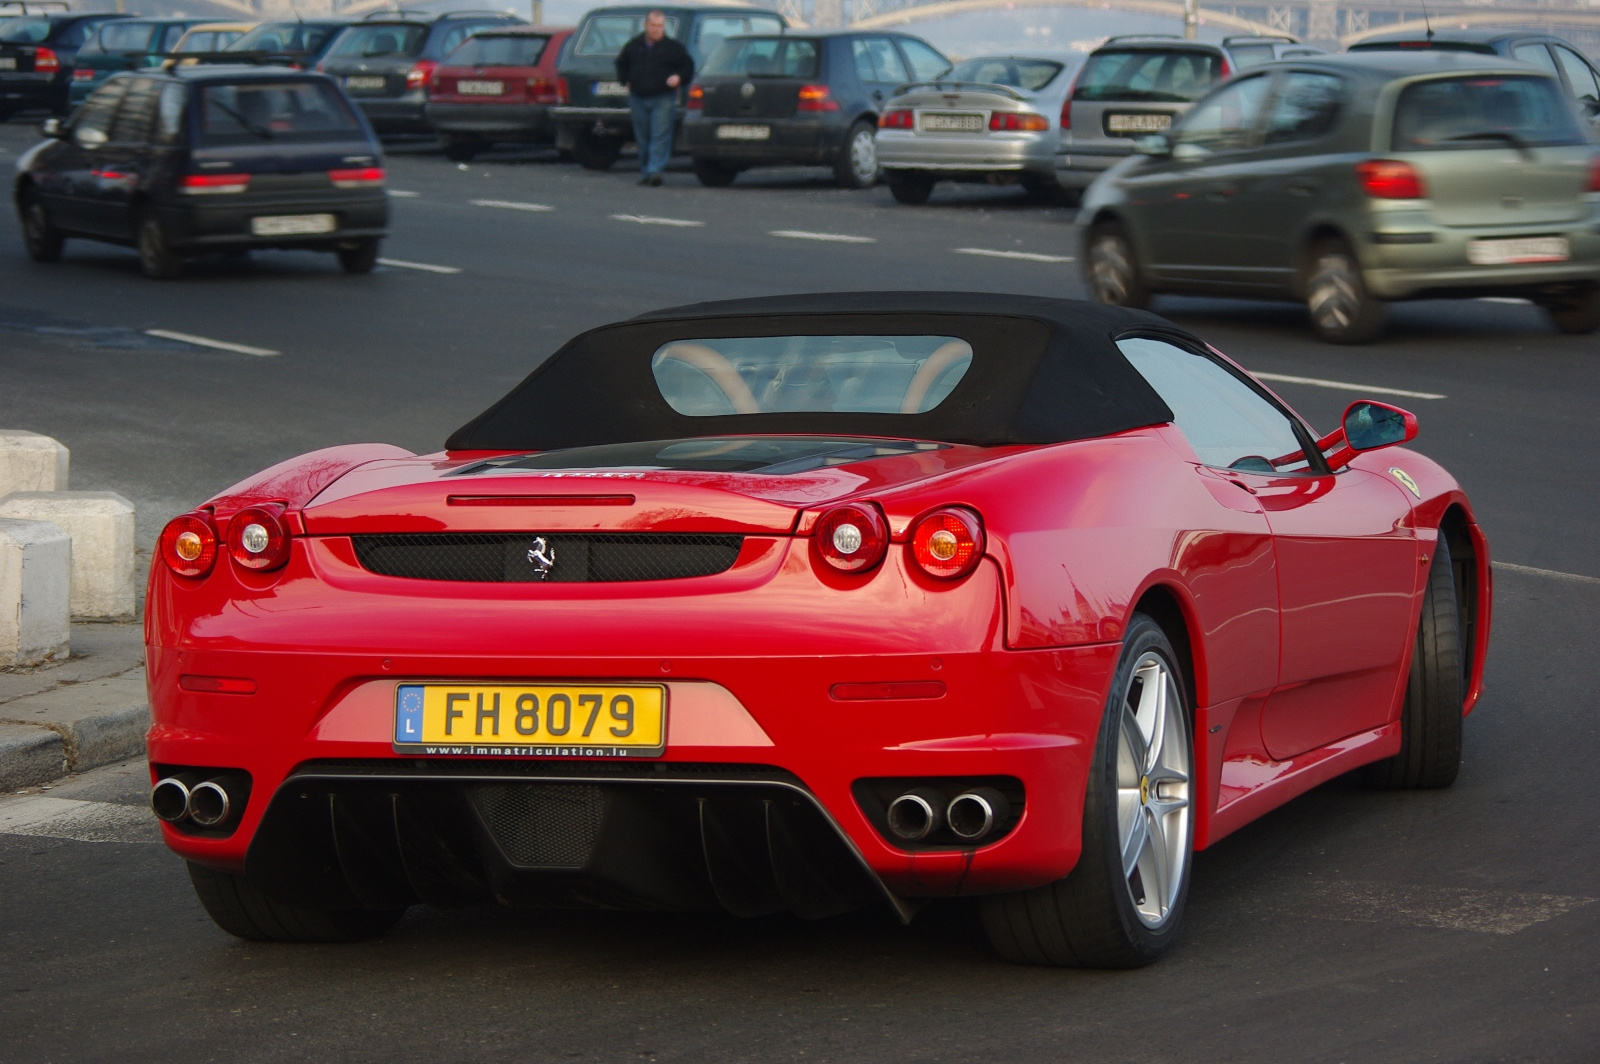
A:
(380, 39)
(771, 374)
(1030, 75)
(770, 455)
(1476, 112)
(763, 57)
(282, 37)
(1148, 76)
(518, 50)
(287, 112)
(606, 34)
(24, 30)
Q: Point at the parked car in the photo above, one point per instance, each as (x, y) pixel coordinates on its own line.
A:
(1577, 72)
(1352, 180)
(793, 99)
(295, 43)
(204, 38)
(497, 87)
(1131, 86)
(125, 44)
(207, 158)
(36, 57)
(386, 60)
(594, 124)
(993, 118)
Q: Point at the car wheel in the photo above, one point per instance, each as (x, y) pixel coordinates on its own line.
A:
(1342, 311)
(1113, 268)
(462, 149)
(1430, 722)
(42, 240)
(1578, 315)
(858, 162)
(909, 186)
(713, 174)
(361, 258)
(596, 153)
(1122, 904)
(236, 906)
(156, 258)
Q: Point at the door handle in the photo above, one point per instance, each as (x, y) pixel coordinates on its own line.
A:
(1240, 484)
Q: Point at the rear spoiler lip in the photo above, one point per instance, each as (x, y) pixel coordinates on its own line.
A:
(959, 86)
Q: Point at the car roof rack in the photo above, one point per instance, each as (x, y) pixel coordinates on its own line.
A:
(34, 7)
(1261, 37)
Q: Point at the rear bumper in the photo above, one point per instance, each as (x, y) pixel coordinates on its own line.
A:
(995, 152)
(521, 121)
(406, 113)
(799, 141)
(19, 92)
(209, 225)
(1432, 260)
(1077, 167)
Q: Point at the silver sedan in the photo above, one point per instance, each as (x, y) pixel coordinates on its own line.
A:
(994, 118)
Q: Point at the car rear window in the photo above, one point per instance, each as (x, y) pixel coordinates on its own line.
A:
(381, 39)
(283, 37)
(122, 37)
(1425, 46)
(1478, 112)
(509, 50)
(1030, 75)
(281, 112)
(763, 57)
(1246, 56)
(1148, 75)
(787, 374)
(768, 455)
(24, 30)
(606, 34)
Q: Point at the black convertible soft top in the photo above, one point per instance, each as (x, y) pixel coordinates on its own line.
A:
(1043, 371)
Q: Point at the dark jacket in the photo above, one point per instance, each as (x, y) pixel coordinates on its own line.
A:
(645, 67)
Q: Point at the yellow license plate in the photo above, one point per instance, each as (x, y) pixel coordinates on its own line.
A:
(531, 720)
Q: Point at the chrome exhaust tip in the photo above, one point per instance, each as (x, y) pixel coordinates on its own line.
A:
(973, 815)
(209, 804)
(169, 799)
(916, 814)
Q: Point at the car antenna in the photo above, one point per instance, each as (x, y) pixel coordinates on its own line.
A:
(1426, 21)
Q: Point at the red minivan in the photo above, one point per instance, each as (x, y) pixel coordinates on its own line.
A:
(498, 87)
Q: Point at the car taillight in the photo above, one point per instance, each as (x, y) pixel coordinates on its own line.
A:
(1227, 71)
(948, 543)
(816, 98)
(563, 94)
(851, 538)
(365, 177)
(83, 74)
(1018, 121)
(212, 184)
(45, 61)
(1066, 105)
(257, 538)
(418, 75)
(1390, 179)
(897, 119)
(1594, 174)
(189, 545)
(546, 90)
(697, 98)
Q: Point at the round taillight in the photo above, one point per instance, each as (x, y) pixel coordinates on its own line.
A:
(852, 538)
(189, 545)
(257, 539)
(948, 543)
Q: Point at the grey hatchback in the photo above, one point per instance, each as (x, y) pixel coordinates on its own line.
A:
(1351, 180)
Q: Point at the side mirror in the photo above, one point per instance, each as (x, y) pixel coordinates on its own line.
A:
(89, 137)
(51, 128)
(1155, 145)
(1367, 426)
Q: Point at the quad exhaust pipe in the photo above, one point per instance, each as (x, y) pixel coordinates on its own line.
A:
(203, 801)
(971, 816)
(916, 814)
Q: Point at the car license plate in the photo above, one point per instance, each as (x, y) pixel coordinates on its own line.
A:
(8, 63)
(293, 224)
(365, 83)
(1518, 250)
(480, 88)
(532, 719)
(1128, 125)
(945, 122)
(610, 88)
(744, 132)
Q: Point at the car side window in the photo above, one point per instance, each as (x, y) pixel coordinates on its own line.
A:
(170, 112)
(1228, 423)
(1226, 121)
(136, 117)
(877, 62)
(92, 124)
(1579, 75)
(1305, 107)
(925, 63)
(1535, 55)
(169, 40)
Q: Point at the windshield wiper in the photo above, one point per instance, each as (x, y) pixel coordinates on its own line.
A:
(264, 134)
(1498, 134)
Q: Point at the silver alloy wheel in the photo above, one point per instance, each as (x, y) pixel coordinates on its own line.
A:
(1334, 297)
(864, 157)
(1111, 269)
(1153, 781)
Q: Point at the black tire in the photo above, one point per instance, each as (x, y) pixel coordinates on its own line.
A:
(361, 258)
(1430, 722)
(157, 260)
(909, 186)
(1091, 918)
(857, 165)
(460, 149)
(1576, 315)
(596, 153)
(43, 241)
(1112, 266)
(236, 906)
(713, 174)
(1342, 310)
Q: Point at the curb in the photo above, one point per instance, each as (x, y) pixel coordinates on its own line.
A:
(29, 756)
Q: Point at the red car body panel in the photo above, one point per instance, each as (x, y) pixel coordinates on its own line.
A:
(518, 81)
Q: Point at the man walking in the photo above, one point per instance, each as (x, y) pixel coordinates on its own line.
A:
(653, 66)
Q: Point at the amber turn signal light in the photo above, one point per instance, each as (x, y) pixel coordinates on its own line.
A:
(852, 538)
(189, 545)
(257, 538)
(948, 543)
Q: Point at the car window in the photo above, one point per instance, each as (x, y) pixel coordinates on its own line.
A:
(764, 57)
(1147, 76)
(1029, 74)
(170, 38)
(714, 29)
(92, 123)
(452, 38)
(1536, 54)
(283, 37)
(493, 50)
(604, 35)
(877, 61)
(380, 40)
(1229, 424)
(1579, 74)
(125, 37)
(1246, 56)
(24, 30)
(1475, 112)
(136, 116)
(290, 112)
(170, 112)
(1306, 107)
(925, 63)
(1226, 120)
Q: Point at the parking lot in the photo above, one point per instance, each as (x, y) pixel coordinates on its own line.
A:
(1351, 925)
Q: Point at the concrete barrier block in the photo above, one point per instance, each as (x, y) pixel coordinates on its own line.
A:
(30, 462)
(101, 526)
(35, 592)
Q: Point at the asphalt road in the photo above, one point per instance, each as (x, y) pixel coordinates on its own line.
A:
(1349, 926)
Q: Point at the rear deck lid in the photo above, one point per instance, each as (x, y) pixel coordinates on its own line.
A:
(1123, 93)
(372, 59)
(590, 62)
(759, 77)
(493, 68)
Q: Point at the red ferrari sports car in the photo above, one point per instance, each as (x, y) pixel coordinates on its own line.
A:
(803, 604)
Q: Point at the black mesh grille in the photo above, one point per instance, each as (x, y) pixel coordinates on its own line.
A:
(563, 557)
(543, 825)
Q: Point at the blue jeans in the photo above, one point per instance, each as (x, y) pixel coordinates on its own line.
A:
(653, 118)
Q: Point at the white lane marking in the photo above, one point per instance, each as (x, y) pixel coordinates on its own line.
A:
(1031, 256)
(1550, 574)
(838, 238)
(1513, 300)
(424, 266)
(67, 818)
(1344, 386)
(511, 205)
(220, 345)
(648, 219)
(1495, 912)
(398, 194)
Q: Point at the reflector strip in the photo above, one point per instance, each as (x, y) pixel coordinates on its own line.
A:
(218, 685)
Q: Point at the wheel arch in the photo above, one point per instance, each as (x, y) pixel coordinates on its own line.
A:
(1469, 566)
(1169, 608)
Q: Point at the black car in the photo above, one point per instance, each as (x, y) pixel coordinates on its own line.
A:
(208, 158)
(386, 60)
(36, 58)
(809, 100)
(295, 43)
(595, 123)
